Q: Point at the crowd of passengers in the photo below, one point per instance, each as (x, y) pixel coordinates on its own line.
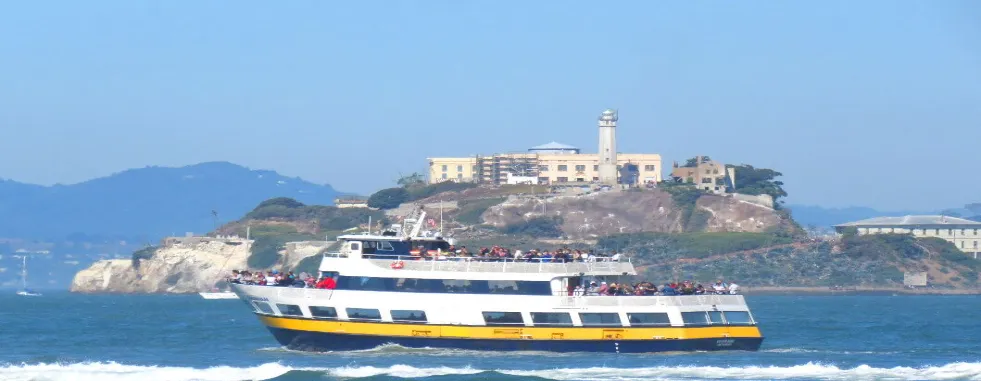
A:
(498, 253)
(688, 287)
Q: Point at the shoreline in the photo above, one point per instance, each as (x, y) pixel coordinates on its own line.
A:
(859, 290)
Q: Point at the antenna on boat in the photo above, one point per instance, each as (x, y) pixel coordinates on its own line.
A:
(369, 225)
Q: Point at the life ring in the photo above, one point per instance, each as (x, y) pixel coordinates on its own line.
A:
(398, 264)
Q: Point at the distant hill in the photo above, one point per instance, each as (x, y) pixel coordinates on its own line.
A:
(146, 203)
(807, 215)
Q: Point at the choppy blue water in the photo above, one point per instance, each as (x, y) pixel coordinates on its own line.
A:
(64, 336)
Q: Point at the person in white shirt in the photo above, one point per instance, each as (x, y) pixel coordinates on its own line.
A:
(733, 288)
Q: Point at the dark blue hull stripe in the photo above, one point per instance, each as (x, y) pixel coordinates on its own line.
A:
(322, 342)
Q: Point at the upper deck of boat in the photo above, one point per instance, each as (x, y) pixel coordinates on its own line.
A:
(596, 267)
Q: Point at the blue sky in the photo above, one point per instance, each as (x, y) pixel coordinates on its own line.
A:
(871, 103)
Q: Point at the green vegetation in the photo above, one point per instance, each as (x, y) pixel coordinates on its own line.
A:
(329, 218)
(684, 197)
(141, 254)
(471, 210)
(756, 181)
(269, 240)
(389, 198)
(539, 227)
(659, 247)
(896, 247)
(424, 191)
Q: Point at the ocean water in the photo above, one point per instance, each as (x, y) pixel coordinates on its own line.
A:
(63, 336)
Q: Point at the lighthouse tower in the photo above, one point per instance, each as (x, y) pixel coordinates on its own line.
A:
(608, 147)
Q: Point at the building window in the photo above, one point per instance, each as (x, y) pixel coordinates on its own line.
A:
(975, 231)
(543, 168)
(580, 168)
(444, 167)
(563, 168)
(459, 176)
(459, 168)
(975, 244)
(473, 169)
(562, 179)
(936, 232)
(963, 231)
(580, 179)
(962, 244)
(708, 172)
(444, 176)
(543, 180)
(649, 168)
(706, 180)
(595, 178)
(595, 167)
(950, 232)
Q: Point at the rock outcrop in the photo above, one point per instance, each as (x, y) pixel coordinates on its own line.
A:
(603, 213)
(180, 266)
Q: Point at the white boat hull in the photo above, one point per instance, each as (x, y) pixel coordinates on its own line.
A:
(28, 293)
(218, 295)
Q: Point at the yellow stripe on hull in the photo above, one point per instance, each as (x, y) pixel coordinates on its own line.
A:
(509, 332)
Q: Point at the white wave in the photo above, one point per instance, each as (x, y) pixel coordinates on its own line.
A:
(954, 371)
(112, 371)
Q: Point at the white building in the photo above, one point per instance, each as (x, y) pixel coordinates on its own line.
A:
(964, 234)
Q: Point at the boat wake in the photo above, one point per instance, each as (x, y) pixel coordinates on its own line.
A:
(111, 371)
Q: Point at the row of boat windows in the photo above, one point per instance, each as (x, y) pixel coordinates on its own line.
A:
(491, 318)
(458, 286)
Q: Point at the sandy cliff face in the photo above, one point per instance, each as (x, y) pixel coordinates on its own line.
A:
(604, 213)
(180, 267)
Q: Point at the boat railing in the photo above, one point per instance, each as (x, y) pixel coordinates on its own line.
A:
(659, 300)
(509, 265)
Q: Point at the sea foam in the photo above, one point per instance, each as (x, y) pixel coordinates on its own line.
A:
(111, 371)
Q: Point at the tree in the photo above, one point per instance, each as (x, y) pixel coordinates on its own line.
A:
(693, 162)
(411, 180)
(756, 181)
(389, 198)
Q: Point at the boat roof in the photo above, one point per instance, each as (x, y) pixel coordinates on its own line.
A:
(376, 237)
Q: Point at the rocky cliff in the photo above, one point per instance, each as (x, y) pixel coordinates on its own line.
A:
(604, 213)
(180, 266)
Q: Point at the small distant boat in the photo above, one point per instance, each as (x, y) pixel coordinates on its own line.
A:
(219, 295)
(24, 291)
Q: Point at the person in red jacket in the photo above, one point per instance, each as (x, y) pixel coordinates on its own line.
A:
(327, 283)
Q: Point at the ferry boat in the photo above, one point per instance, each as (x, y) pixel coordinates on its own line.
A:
(387, 294)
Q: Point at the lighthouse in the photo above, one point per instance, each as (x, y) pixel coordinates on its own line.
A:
(608, 147)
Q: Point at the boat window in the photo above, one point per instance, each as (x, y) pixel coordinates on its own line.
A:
(551, 318)
(289, 309)
(505, 287)
(716, 317)
(738, 317)
(503, 318)
(695, 318)
(408, 315)
(262, 307)
(596, 319)
(385, 246)
(648, 319)
(363, 314)
(355, 246)
(323, 312)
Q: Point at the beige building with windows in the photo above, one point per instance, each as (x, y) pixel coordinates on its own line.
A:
(964, 234)
(707, 175)
(549, 165)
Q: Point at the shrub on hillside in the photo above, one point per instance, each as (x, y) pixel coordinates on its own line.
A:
(471, 210)
(421, 192)
(548, 227)
(141, 254)
(388, 198)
